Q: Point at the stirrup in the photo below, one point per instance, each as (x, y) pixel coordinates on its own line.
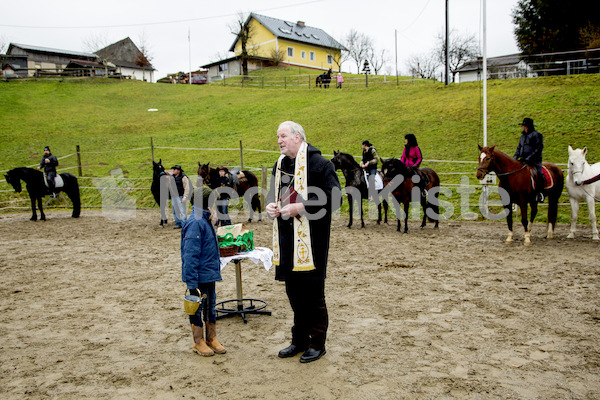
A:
(541, 197)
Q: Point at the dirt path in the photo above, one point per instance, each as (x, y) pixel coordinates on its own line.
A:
(93, 308)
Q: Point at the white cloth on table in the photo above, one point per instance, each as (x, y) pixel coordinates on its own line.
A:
(261, 254)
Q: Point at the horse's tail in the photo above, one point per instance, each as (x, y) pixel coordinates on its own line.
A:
(555, 193)
(253, 182)
(72, 190)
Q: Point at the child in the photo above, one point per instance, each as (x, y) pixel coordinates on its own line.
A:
(200, 269)
(412, 158)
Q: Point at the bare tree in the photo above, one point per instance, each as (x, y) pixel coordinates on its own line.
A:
(358, 45)
(244, 31)
(340, 58)
(423, 66)
(463, 48)
(377, 59)
(95, 42)
(143, 59)
(219, 56)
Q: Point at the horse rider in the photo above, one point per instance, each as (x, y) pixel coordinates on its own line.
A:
(412, 158)
(529, 151)
(179, 202)
(369, 160)
(49, 163)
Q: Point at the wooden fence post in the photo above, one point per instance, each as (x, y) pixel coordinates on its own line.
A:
(152, 147)
(79, 160)
(241, 156)
(263, 185)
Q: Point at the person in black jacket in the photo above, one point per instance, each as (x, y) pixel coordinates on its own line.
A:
(49, 163)
(302, 211)
(223, 188)
(529, 150)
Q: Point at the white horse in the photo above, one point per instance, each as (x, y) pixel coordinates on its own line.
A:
(579, 171)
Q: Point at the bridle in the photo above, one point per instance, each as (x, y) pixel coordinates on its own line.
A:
(486, 170)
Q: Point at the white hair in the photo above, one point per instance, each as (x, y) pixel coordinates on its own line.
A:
(294, 128)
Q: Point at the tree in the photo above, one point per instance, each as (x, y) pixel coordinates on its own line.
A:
(423, 66)
(340, 58)
(463, 48)
(276, 56)
(358, 45)
(377, 59)
(244, 31)
(143, 59)
(95, 42)
(546, 26)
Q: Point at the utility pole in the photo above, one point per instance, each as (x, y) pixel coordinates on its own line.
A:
(447, 42)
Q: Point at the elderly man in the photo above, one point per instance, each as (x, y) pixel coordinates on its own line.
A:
(180, 201)
(301, 203)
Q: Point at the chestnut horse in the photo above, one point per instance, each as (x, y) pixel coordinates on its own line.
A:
(406, 190)
(245, 183)
(516, 178)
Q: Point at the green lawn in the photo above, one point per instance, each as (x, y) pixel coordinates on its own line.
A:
(108, 119)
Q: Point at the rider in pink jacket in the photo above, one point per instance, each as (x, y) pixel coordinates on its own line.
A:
(412, 158)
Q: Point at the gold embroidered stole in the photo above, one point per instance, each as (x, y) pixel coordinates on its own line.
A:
(303, 257)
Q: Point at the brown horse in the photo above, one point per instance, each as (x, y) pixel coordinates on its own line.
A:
(406, 191)
(516, 178)
(245, 183)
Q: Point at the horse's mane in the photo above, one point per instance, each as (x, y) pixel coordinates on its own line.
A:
(350, 158)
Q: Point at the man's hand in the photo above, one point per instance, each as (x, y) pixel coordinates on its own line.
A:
(47, 161)
(272, 210)
(291, 210)
(183, 199)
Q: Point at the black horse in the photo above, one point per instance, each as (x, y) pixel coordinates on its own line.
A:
(355, 179)
(36, 187)
(324, 79)
(160, 177)
(406, 190)
(245, 183)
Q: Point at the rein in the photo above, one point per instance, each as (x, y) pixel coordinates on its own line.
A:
(503, 173)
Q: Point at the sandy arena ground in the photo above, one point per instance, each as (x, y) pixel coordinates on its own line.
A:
(93, 309)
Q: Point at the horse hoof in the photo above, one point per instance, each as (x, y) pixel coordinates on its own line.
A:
(572, 236)
(595, 238)
(527, 243)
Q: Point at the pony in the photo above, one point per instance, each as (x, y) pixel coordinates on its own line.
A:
(355, 178)
(243, 182)
(403, 193)
(160, 196)
(36, 187)
(517, 179)
(324, 79)
(579, 171)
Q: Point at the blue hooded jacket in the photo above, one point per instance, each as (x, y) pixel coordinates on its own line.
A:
(200, 262)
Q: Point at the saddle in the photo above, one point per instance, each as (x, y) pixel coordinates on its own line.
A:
(58, 181)
(547, 177)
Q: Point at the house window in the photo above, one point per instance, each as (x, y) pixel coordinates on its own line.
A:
(312, 56)
(222, 67)
(329, 59)
(290, 52)
(303, 55)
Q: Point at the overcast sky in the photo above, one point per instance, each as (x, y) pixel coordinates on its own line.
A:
(164, 26)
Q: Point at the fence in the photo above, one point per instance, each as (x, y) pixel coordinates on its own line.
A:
(309, 81)
(452, 173)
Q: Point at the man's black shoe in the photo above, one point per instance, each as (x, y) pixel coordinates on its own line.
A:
(291, 351)
(311, 355)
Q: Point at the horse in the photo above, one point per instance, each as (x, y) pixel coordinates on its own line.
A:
(355, 178)
(579, 171)
(245, 183)
(403, 192)
(36, 187)
(517, 179)
(160, 196)
(324, 79)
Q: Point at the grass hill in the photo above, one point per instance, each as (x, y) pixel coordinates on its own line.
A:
(109, 120)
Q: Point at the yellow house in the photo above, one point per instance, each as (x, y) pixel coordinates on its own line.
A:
(291, 43)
